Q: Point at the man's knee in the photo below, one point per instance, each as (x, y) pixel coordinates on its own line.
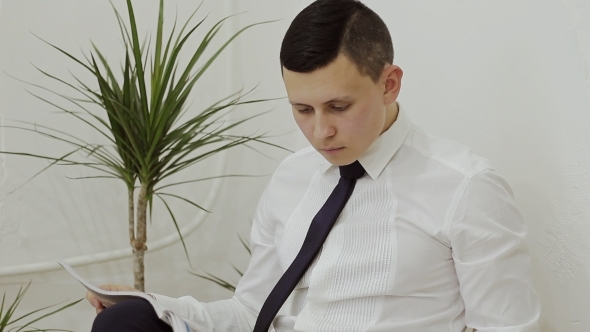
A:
(129, 316)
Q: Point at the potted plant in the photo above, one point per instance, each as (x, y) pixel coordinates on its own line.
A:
(8, 321)
(143, 105)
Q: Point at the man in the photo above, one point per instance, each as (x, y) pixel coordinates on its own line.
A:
(430, 238)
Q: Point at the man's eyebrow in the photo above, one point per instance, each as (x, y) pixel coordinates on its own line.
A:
(297, 104)
(339, 99)
(334, 100)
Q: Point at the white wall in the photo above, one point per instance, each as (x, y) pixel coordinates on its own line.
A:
(53, 217)
(510, 78)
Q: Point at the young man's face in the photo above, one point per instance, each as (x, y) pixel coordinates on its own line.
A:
(340, 111)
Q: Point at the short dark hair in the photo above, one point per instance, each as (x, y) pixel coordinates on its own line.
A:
(327, 28)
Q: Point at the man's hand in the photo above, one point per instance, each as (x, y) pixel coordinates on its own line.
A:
(115, 288)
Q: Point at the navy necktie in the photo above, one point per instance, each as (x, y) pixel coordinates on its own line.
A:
(316, 235)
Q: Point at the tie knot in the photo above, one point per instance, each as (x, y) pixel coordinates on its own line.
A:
(352, 171)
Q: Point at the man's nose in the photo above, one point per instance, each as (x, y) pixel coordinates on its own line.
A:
(323, 126)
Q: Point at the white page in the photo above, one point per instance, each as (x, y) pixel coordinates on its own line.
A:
(109, 298)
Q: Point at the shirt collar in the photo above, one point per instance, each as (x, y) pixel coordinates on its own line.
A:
(385, 146)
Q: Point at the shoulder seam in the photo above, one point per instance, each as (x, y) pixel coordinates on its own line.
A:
(457, 198)
(436, 157)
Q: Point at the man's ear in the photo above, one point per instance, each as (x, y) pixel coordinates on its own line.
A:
(392, 81)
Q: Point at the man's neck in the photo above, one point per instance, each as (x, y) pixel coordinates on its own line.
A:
(391, 112)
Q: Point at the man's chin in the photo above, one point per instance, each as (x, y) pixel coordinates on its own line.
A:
(338, 160)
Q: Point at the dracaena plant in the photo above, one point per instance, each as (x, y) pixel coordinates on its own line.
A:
(25, 323)
(142, 102)
(225, 283)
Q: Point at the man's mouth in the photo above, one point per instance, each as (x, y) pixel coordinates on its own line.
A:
(332, 149)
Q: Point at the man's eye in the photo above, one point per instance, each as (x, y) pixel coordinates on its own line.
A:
(339, 107)
(304, 110)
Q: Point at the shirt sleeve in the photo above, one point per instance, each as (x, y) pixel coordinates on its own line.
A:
(240, 312)
(491, 258)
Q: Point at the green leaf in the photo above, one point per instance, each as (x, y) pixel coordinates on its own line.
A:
(143, 105)
(49, 313)
(7, 319)
(186, 200)
(225, 284)
(177, 228)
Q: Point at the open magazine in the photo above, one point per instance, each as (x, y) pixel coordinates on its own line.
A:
(109, 298)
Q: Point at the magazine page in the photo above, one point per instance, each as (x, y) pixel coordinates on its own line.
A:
(109, 298)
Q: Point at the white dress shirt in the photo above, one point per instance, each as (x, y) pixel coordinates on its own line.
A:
(430, 240)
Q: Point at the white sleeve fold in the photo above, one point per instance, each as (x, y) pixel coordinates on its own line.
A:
(220, 316)
(492, 259)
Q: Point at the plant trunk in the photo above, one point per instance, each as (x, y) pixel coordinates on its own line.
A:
(138, 243)
(131, 215)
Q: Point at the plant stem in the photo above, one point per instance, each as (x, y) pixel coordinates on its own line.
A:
(139, 246)
(131, 216)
